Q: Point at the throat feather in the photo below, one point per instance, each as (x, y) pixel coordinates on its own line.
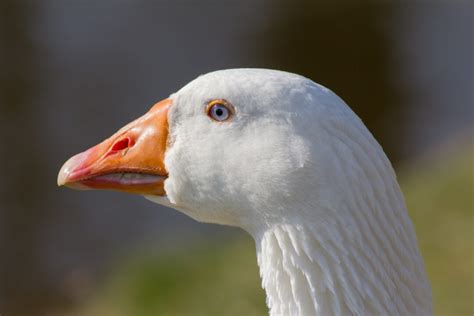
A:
(307, 272)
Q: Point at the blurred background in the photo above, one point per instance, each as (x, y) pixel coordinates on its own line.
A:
(74, 71)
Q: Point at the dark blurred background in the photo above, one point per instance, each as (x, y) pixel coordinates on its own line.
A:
(72, 72)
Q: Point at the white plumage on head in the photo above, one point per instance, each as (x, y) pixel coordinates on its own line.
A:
(300, 172)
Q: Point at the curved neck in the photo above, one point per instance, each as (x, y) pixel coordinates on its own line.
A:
(309, 270)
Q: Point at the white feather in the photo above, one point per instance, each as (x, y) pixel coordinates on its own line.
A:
(298, 170)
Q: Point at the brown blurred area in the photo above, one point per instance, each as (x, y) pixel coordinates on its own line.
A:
(72, 72)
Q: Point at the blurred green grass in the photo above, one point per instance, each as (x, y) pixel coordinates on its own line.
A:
(221, 278)
(440, 197)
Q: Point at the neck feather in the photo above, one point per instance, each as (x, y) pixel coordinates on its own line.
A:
(309, 271)
(350, 247)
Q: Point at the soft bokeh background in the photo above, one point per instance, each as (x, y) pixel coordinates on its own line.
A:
(73, 71)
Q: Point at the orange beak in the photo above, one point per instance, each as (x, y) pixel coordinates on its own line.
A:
(132, 160)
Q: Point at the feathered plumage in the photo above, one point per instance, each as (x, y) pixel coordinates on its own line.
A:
(299, 171)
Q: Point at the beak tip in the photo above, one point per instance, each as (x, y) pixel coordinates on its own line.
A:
(64, 179)
(68, 168)
(62, 175)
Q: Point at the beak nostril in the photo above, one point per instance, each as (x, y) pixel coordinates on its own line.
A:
(122, 144)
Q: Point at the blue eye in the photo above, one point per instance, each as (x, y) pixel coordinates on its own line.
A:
(219, 112)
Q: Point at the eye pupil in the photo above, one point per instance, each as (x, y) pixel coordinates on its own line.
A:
(219, 112)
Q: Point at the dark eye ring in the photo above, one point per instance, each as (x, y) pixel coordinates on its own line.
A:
(220, 110)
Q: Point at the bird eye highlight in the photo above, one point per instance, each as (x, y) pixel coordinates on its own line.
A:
(219, 110)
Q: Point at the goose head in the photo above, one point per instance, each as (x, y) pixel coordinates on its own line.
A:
(286, 160)
(232, 147)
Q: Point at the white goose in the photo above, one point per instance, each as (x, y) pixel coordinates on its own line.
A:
(286, 160)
